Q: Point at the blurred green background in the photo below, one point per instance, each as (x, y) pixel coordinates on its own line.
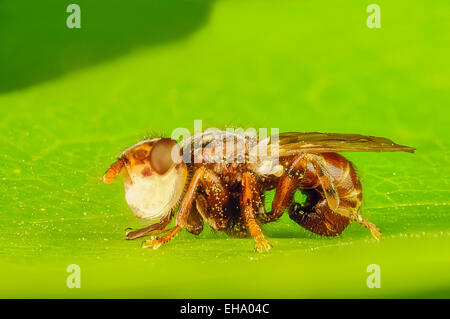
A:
(72, 99)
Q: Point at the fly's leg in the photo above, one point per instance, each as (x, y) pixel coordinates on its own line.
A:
(374, 231)
(202, 176)
(326, 212)
(301, 175)
(249, 200)
(210, 204)
(183, 212)
(151, 230)
(338, 219)
(155, 243)
(350, 198)
(284, 194)
(194, 225)
(349, 208)
(237, 226)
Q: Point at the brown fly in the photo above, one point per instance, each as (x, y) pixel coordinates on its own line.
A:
(209, 180)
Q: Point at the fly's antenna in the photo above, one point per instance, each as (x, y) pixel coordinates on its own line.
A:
(113, 170)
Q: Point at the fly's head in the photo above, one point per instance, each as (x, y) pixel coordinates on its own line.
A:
(154, 176)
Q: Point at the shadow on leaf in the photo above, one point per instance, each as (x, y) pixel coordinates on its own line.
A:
(36, 44)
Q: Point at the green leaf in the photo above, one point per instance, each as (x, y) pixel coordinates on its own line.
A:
(295, 65)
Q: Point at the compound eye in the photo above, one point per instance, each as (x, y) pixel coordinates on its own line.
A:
(161, 155)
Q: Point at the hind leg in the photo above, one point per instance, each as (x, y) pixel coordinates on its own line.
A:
(317, 217)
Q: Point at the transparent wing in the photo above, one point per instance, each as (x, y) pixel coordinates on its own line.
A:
(292, 143)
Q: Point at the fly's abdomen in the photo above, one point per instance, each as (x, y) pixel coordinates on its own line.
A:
(346, 182)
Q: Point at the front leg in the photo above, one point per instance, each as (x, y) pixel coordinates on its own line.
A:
(183, 212)
(151, 230)
(250, 198)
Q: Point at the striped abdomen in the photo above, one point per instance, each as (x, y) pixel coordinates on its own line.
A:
(346, 182)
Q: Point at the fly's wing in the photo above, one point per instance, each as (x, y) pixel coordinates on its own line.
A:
(292, 143)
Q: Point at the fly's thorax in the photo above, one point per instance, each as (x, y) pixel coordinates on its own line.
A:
(154, 177)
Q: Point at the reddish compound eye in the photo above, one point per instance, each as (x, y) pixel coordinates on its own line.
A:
(161, 155)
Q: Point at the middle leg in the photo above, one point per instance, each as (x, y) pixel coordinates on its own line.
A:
(183, 212)
(250, 202)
